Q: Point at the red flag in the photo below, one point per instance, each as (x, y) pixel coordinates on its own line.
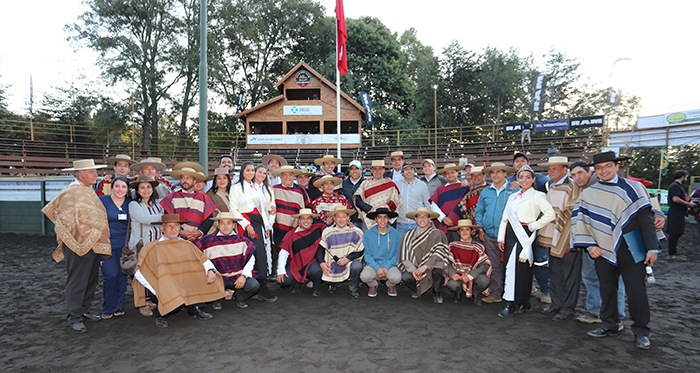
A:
(342, 35)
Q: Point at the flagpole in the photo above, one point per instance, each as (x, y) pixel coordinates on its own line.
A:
(337, 91)
(31, 106)
(661, 167)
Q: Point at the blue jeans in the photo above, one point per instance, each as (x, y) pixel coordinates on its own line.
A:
(403, 228)
(541, 272)
(592, 283)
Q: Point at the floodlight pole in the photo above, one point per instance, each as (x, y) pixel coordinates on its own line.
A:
(203, 77)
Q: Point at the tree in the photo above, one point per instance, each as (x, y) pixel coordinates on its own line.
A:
(136, 42)
(111, 119)
(69, 106)
(460, 87)
(423, 70)
(562, 91)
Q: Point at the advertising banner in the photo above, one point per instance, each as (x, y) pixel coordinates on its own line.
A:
(551, 125)
(325, 139)
(303, 110)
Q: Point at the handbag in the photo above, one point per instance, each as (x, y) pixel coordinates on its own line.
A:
(129, 257)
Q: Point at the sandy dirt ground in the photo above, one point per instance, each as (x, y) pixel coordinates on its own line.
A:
(334, 333)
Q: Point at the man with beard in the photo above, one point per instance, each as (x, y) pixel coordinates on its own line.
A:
(193, 206)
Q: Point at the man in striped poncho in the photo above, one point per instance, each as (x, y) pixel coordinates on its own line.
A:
(340, 251)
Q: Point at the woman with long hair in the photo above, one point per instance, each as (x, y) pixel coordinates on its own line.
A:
(526, 212)
(113, 280)
(253, 201)
(219, 194)
(143, 211)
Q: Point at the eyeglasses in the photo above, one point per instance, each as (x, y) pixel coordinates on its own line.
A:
(604, 166)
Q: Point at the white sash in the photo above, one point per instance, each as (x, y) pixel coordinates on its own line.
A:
(523, 238)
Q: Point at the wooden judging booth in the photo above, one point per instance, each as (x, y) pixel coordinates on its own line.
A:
(304, 116)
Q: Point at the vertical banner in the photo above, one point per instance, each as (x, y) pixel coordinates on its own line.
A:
(342, 35)
(367, 104)
(539, 84)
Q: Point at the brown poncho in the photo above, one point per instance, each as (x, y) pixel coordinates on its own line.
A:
(174, 270)
(81, 222)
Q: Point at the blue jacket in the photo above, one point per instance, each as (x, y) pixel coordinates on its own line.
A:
(381, 256)
(489, 209)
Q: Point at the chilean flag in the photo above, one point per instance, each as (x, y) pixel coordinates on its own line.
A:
(342, 34)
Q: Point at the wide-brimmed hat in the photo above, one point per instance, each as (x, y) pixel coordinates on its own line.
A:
(338, 209)
(148, 162)
(498, 166)
(119, 157)
(422, 210)
(450, 166)
(378, 163)
(320, 181)
(198, 176)
(171, 218)
(221, 171)
(84, 164)
(382, 210)
(608, 156)
(477, 170)
(143, 179)
(305, 212)
(193, 165)
(286, 168)
(564, 161)
(327, 158)
(206, 178)
(226, 216)
(464, 223)
(398, 153)
(266, 159)
(307, 174)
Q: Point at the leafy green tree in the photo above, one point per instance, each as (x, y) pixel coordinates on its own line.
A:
(111, 121)
(459, 90)
(423, 70)
(136, 40)
(70, 106)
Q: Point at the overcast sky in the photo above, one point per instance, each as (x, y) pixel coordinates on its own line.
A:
(659, 38)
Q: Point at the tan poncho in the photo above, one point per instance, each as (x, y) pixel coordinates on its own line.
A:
(556, 235)
(427, 248)
(81, 222)
(174, 269)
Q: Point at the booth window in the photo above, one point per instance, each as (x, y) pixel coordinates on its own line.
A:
(330, 127)
(303, 128)
(303, 94)
(266, 128)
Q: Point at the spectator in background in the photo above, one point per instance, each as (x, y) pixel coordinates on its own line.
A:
(552, 151)
(677, 207)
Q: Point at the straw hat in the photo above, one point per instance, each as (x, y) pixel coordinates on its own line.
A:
(327, 158)
(198, 176)
(226, 216)
(171, 218)
(320, 181)
(143, 179)
(464, 223)
(338, 209)
(498, 166)
(422, 210)
(193, 165)
(477, 170)
(382, 210)
(564, 161)
(84, 164)
(286, 168)
(266, 159)
(206, 178)
(398, 153)
(305, 212)
(378, 163)
(119, 157)
(450, 166)
(148, 162)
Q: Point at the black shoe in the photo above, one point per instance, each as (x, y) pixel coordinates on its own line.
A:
(332, 288)
(437, 298)
(317, 293)
(601, 332)
(91, 317)
(354, 294)
(521, 308)
(161, 323)
(507, 310)
(196, 312)
(642, 341)
(458, 297)
(241, 304)
(79, 327)
(549, 310)
(295, 290)
(477, 300)
(217, 305)
(269, 298)
(560, 317)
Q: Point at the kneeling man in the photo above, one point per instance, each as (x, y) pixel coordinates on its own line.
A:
(381, 253)
(423, 255)
(300, 246)
(470, 267)
(232, 255)
(340, 251)
(177, 273)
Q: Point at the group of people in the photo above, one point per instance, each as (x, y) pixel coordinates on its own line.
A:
(448, 230)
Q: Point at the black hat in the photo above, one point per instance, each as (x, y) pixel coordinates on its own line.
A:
(608, 156)
(521, 154)
(382, 210)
